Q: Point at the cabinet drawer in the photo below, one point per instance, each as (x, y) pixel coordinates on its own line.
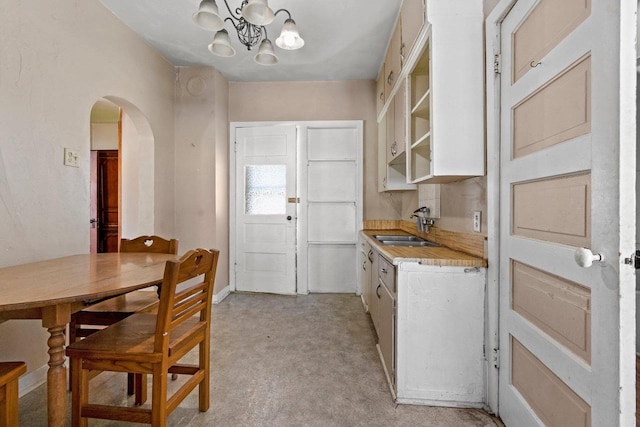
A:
(387, 273)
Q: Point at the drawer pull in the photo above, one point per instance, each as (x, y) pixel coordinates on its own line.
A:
(378, 291)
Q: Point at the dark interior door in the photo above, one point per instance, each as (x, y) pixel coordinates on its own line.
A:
(108, 201)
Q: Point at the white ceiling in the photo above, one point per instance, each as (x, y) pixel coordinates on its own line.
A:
(344, 39)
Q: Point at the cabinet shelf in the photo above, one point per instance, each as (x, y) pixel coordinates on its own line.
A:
(421, 140)
(420, 161)
(422, 107)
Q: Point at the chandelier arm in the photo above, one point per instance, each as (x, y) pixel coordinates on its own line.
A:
(278, 11)
(232, 22)
(237, 18)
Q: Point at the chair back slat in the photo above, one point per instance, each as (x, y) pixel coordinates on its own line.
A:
(190, 304)
(176, 307)
(152, 244)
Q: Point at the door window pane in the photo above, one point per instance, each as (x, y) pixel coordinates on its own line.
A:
(266, 189)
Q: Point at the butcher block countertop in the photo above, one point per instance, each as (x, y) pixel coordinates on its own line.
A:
(471, 254)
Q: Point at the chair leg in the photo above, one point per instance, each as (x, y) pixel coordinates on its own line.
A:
(203, 388)
(140, 388)
(72, 339)
(159, 396)
(79, 393)
(9, 404)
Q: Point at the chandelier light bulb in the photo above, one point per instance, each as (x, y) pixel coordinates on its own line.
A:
(266, 55)
(289, 37)
(207, 16)
(258, 12)
(221, 45)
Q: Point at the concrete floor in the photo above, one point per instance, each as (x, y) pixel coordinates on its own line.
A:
(286, 361)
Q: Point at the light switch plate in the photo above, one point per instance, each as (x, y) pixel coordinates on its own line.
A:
(477, 215)
(70, 157)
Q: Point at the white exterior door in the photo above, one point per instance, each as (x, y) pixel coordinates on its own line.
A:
(265, 243)
(567, 160)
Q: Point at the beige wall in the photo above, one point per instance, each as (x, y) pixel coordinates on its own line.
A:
(58, 59)
(202, 164)
(458, 201)
(334, 100)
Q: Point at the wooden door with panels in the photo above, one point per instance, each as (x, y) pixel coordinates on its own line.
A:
(567, 155)
(108, 177)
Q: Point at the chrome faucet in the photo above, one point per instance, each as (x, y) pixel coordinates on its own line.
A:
(422, 222)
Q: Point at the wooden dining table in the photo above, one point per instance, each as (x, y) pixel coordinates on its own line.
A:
(52, 290)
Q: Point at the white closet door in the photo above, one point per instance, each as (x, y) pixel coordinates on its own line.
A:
(566, 178)
(331, 206)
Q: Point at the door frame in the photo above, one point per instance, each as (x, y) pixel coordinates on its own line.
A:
(626, 361)
(302, 286)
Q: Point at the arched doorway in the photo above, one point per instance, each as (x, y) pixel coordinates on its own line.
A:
(122, 174)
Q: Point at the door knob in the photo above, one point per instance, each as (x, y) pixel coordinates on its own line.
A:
(585, 258)
(288, 217)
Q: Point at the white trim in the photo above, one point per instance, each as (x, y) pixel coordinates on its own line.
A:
(220, 296)
(302, 262)
(492, 342)
(31, 381)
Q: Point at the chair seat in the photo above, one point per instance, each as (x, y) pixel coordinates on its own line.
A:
(9, 374)
(10, 371)
(133, 339)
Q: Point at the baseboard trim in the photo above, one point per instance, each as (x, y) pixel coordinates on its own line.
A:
(34, 379)
(220, 296)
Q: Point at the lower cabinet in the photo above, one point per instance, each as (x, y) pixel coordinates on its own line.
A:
(366, 257)
(429, 322)
(440, 335)
(387, 332)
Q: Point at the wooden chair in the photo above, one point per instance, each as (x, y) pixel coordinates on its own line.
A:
(9, 374)
(112, 310)
(145, 343)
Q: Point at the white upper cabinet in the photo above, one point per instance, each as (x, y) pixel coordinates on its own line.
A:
(443, 66)
(412, 16)
(452, 56)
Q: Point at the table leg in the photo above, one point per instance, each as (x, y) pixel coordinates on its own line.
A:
(55, 319)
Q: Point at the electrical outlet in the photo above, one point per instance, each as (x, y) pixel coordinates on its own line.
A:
(70, 157)
(477, 215)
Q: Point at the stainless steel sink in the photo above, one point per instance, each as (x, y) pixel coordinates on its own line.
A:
(403, 240)
(400, 238)
(408, 243)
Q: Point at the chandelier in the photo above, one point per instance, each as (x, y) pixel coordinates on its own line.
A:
(250, 21)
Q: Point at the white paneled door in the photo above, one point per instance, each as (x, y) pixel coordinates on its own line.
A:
(331, 206)
(265, 241)
(567, 160)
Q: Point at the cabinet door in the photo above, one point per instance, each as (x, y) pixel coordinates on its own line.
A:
(382, 155)
(392, 61)
(365, 274)
(412, 16)
(400, 111)
(386, 331)
(390, 118)
(376, 286)
(380, 83)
